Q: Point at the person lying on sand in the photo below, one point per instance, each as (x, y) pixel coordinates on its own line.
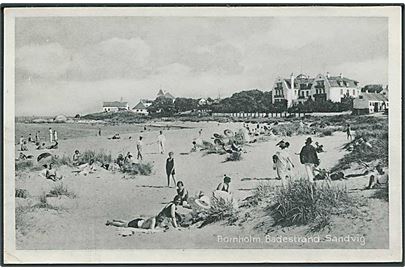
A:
(224, 186)
(182, 193)
(115, 137)
(141, 223)
(168, 214)
(378, 177)
(53, 146)
(40, 146)
(22, 156)
(86, 168)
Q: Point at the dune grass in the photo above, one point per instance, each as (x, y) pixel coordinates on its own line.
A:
(221, 210)
(60, 189)
(59, 161)
(101, 157)
(302, 203)
(24, 165)
(138, 168)
(21, 193)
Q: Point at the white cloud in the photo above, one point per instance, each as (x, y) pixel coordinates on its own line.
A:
(49, 60)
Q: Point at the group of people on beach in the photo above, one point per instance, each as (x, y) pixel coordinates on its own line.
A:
(39, 144)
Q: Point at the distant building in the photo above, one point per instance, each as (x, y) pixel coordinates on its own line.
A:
(323, 87)
(142, 107)
(115, 106)
(161, 93)
(367, 103)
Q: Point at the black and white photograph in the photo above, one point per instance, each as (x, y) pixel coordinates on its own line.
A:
(202, 134)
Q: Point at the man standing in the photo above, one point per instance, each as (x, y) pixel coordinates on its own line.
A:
(139, 147)
(309, 158)
(50, 135)
(37, 138)
(161, 142)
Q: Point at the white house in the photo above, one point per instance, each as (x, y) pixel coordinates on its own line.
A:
(142, 107)
(323, 87)
(115, 106)
(370, 103)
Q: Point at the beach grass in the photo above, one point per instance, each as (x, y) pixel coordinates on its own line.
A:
(303, 203)
(60, 189)
(221, 210)
(138, 168)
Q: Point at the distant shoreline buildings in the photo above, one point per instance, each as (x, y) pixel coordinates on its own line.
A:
(292, 91)
(296, 90)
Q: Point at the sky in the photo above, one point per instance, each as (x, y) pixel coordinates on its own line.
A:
(70, 65)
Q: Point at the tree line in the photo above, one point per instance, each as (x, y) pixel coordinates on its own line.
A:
(245, 101)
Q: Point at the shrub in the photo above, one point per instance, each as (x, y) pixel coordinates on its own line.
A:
(327, 132)
(221, 209)
(99, 157)
(381, 193)
(302, 203)
(23, 165)
(21, 193)
(234, 156)
(138, 168)
(61, 189)
(58, 161)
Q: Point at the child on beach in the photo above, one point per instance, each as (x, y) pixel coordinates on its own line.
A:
(170, 169)
(348, 132)
(182, 193)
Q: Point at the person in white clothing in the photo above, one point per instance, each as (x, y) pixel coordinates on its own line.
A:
(55, 136)
(161, 142)
(50, 135)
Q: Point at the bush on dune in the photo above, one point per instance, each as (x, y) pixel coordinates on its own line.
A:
(302, 203)
(220, 210)
(60, 189)
(59, 161)
(23, 165)
(97, 157)
(138, 168)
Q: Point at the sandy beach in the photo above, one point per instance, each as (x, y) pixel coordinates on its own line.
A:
(112, 195)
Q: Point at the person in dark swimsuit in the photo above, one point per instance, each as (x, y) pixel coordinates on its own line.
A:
(170, 169)
(169, 213)
(225, 185)
(139, 223)
(182, 193)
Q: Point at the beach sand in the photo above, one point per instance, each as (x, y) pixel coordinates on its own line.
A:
(105, 195)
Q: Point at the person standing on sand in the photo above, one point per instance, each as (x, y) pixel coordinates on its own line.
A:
(170, 169)
(161, 142)
(309, 158)
(37, 137)
(50, 135)
(348, 132)
(55, 135)
(139, 147)
(283, 164)
(99, 131)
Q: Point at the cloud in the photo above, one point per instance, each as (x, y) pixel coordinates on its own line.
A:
(48, 60)
(112, 58)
